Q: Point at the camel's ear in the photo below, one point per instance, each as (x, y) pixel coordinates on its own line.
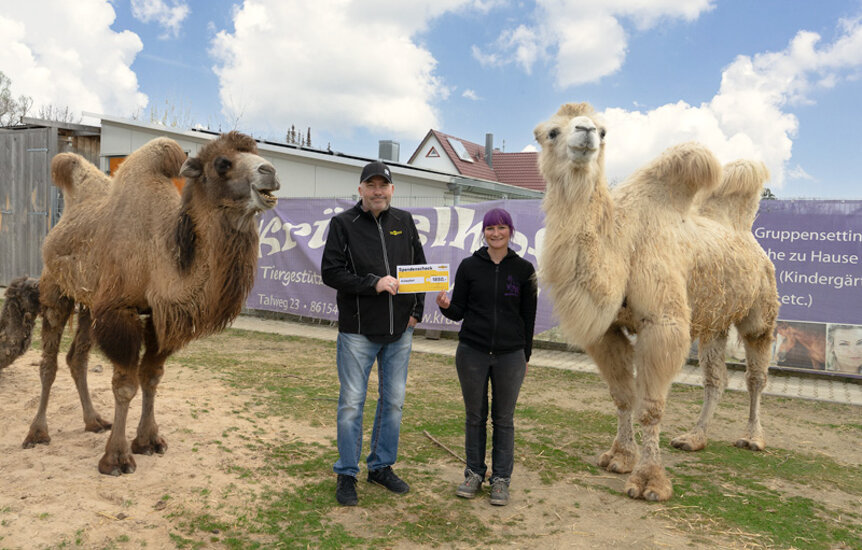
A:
(537, 132)
(543, 133)
(192, 168)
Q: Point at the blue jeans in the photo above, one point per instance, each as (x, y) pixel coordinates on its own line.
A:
(506, 373)
(355, 356)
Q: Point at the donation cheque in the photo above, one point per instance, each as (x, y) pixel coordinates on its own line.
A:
(423, 278)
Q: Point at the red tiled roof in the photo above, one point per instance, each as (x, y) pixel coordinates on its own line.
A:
(476, 169)
(518, 169)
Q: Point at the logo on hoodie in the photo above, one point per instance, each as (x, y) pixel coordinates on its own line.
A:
(512, 287)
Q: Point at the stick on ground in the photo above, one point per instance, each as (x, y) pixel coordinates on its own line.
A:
(451, 452)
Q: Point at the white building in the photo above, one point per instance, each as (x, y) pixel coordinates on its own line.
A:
(308, 172)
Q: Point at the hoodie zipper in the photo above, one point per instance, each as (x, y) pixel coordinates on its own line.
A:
(388, 272)
(494, 330)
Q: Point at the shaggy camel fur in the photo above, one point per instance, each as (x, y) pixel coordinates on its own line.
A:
(635, 273)
(148, 268)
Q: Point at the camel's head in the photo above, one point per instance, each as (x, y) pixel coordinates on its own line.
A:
(229, 173)
(575, 137)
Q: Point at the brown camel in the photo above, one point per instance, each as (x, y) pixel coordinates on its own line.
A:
(637, 272)
(148, 268)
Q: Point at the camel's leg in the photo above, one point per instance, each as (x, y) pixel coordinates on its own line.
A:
(711, 352)
(77, 357)
(55, 313)
(120, 331)
(758, 346)
(660, 351)
(150, 373)
(613, 354)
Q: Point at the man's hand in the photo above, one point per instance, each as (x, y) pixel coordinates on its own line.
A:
(387, 283)
(412, 322)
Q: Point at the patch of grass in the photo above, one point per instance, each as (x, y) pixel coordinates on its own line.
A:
(557, 443)
(752, 509)
(286, 500)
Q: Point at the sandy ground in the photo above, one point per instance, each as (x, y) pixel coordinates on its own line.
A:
(53, 494)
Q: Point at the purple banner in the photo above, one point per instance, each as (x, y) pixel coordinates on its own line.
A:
(293, 234)
(816, 247)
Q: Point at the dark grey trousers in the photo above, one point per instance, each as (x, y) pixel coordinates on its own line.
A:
(506, 373)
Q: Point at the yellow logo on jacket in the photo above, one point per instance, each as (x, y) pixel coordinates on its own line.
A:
(395, 232)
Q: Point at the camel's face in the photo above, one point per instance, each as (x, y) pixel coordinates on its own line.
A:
(582, 139)
(245, 180)
(262, 181)
(578, 140)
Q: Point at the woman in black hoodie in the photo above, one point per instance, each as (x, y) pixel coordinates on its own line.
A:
(495, 295)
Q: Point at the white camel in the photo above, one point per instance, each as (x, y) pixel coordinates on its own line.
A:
(639, 271)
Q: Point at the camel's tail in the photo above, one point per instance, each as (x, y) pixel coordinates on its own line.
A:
(679, 174)
(19, 313)
(78, 178)
(735, 201)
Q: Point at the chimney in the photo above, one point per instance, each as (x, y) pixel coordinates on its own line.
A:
(389, 150)
(489, 149)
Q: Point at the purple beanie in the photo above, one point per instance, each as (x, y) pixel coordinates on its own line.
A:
(498, 216)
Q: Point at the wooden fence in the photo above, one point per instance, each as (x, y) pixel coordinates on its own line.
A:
(29, 204)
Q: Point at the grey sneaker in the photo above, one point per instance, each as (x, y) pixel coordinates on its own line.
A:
(472, 484)
(500, 492)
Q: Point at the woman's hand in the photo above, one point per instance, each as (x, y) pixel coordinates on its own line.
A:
(443, 300)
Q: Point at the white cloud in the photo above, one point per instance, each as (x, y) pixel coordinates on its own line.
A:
(169, 15)
(471, 94)
(584, 41)
(798, 173)
(748, 117)
(366, 71)
(65, 54)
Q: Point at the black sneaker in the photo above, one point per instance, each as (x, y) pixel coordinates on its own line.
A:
(387, 478)
(345, 490)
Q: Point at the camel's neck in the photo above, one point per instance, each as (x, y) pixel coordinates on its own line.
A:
(580, 204)
(584, 263)
(229, 246)
(216, 259)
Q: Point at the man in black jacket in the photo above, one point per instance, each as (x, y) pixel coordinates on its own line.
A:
(363, 249)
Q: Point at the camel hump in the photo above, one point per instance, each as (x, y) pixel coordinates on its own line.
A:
(735, 201)
(158, 157)
(678, 175)
(72, 173)
(689, 167)
(744, 178)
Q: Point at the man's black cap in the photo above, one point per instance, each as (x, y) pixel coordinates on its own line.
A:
(376, 168)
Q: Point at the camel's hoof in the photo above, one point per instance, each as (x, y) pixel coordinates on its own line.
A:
(116, 465)
(617, 462)
(157, 445)
(97, 426)
(689, 442)
(649, 483)
(750, 444)
(36, 438)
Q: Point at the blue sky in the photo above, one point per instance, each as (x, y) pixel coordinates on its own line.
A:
(778, 80)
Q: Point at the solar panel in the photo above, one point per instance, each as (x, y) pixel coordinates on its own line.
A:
(460, 150)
